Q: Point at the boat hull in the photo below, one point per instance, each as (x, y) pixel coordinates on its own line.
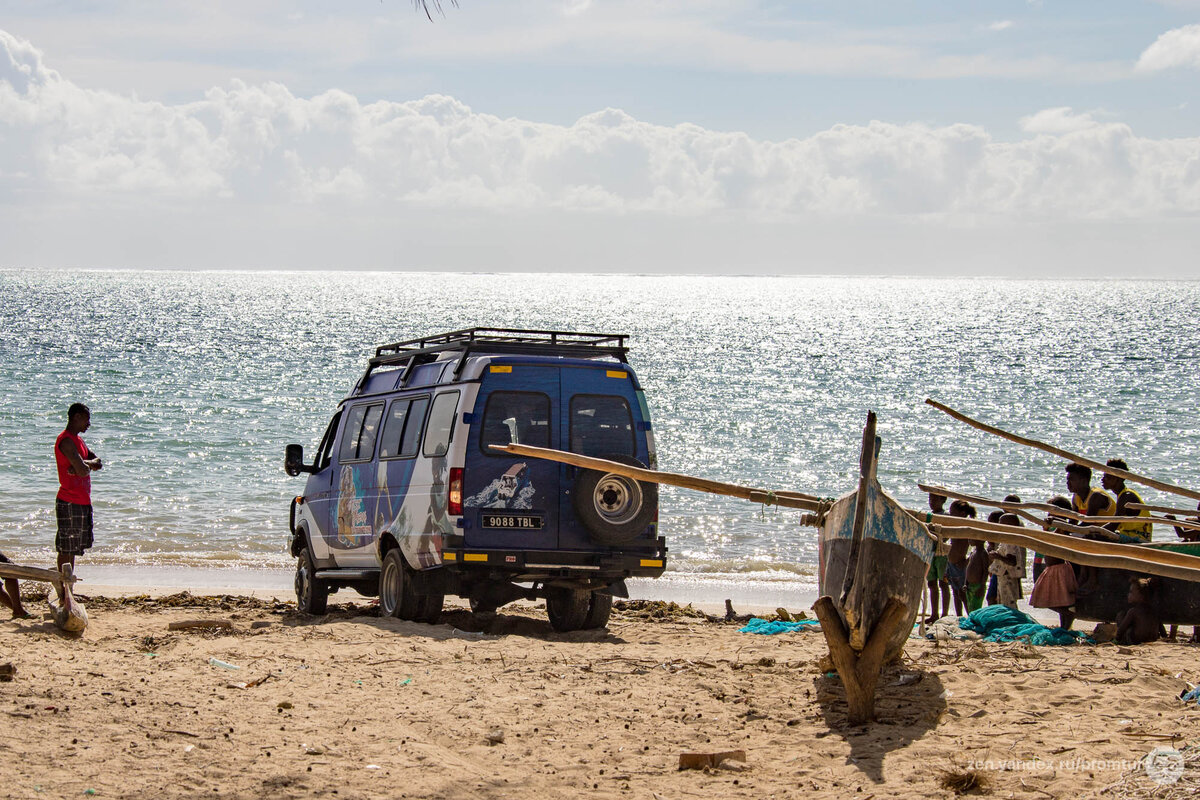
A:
(1176, 602)
(892, 561)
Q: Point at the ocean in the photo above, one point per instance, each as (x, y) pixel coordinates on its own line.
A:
(197, 380)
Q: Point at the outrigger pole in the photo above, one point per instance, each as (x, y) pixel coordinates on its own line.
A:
(1081, 551)
(1154, 483)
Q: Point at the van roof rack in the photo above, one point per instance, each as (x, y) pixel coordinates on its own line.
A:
(504, 341)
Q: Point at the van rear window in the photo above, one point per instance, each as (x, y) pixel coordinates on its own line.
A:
(600, 425)
(358, 438)
(515, 418)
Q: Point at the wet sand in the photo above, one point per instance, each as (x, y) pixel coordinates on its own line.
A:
(351, 705)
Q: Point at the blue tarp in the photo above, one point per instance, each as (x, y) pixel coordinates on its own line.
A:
(769, 627)
(1003, 624)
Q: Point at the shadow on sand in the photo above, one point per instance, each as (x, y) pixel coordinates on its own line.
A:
(456, 624)
(903, 714)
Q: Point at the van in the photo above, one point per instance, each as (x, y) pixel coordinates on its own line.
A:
(407, 500)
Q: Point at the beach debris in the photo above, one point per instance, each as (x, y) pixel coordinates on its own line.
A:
(284, 705)
(963, 781)
(709, 760)
(733, 616)
(313, 750)
(190, 624)
(908, 679)
(494, 736)
(783, 615)
(7, 671)
(216, 662)
(260, 623)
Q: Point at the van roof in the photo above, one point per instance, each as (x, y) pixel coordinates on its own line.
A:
(462, 344)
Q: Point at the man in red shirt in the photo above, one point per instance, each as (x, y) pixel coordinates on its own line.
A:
(73, 506)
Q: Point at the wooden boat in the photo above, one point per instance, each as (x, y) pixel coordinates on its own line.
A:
(873, 559)
(872, 553)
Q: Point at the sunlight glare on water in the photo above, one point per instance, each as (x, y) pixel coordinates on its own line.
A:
(197, 380)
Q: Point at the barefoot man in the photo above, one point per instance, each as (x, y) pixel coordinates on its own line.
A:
(73, 506)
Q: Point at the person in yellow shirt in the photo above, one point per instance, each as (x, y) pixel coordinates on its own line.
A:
(1084, 499)
(1138, 531)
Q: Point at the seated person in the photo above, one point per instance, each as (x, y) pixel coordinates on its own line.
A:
(1139, 624)
(10, 595)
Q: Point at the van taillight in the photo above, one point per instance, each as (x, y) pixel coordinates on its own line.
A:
(454, 506)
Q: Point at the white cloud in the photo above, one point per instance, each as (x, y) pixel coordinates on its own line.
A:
(1175, 48)
(1000, 25)
(261, 147)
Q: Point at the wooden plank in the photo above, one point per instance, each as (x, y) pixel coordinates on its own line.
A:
(1165, 509)
(1154, 483)
(785, 499)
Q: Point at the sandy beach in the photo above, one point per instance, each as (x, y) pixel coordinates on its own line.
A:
(351, 705)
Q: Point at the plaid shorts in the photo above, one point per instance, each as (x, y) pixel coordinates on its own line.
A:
(74, 528)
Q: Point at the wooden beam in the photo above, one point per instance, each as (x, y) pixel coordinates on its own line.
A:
(766, 497)
(34, 574)
(1016, 508)
(1133, 557)
(1154, 483)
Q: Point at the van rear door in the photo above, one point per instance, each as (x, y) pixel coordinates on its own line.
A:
(602, 418)
(513, 502)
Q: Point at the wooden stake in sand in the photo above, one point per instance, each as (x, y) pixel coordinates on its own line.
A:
(69, 613)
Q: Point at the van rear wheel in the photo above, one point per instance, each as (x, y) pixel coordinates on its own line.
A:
(567, 608)
(397, 595)
(312, 595)
(613, 508)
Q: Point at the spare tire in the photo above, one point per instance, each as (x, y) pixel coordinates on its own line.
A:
(614, 509)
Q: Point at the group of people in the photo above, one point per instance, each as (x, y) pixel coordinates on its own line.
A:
(73, 504)
(970, 573)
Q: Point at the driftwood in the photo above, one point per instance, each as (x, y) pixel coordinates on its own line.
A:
(1154, 483)
(859, 671)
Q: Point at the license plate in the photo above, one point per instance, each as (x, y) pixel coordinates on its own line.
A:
(522, 522)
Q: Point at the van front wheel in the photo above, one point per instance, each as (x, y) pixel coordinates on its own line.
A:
(312, 595)
(397, 595)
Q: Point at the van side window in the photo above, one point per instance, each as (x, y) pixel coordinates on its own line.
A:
(515, 418)
(601, 424)
(401, 429)
(411, 441)
(358, 438)
(441, 424)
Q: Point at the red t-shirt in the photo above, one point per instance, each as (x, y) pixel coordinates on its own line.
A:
(75, 489)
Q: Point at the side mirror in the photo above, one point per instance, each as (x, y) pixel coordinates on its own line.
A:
(293, 460)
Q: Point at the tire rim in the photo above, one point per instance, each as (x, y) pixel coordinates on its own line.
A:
(617, 499)
(303, 584)
(389, 588)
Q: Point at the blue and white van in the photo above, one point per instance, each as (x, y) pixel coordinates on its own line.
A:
(406, 500)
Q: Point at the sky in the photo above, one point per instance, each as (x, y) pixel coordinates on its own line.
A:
(1015, 137)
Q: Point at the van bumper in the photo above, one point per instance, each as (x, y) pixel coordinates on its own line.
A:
(539, 564)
